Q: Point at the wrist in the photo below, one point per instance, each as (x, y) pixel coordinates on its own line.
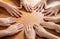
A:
(3, 33)
(6, 32)
(4, 4)
(31, 38)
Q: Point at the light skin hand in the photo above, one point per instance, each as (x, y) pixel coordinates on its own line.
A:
(30, 33)
(42, 4)
(7, 21)
(26, 5)
(12, 10)
(52, 11)
(51, 25)
(55, 19)
(13, 29)
(43, 33)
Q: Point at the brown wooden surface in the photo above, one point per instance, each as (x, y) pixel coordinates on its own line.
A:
(20, 35)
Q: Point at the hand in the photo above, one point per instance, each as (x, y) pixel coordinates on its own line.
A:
(13, 29)
(30, 33)
(7, 21)
(27, 6)
(51, 11)
(39, 6)
(13, 11)
(49, 25)
(55, 19)
(20, 5)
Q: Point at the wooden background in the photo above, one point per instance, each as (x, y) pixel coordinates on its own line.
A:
(20, 35)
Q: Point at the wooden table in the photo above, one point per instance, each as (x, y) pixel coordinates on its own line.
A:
(20, 35)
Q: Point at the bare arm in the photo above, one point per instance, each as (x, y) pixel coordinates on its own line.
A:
(3, 33)
(3, 4)
(13, 11)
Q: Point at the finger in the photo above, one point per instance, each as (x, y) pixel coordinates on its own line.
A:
(47, 12)
(35, 26)
(31, 8)
(15, 14)
(28, 7)
(10, 13)
(56, 12)
(38, 8)
(21, 5)
(18, 11)
(36, 5)
(29, 27)
(51, 13)
(41, 8)
(25, 6)
(26, 31)
(45, 5)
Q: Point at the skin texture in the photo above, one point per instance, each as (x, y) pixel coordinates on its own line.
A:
(25, 5)
(7, 21)
(43, 33)
(55, 19)
(52, 11)
(13, 29)
(12, 10)
(30, 33)
(41, 5)
(51, 25)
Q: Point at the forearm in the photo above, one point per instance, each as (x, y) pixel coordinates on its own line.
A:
(47, 34)
(58, 6)
(4, 4)
(51, 36)
(3, 33)
(57, 27)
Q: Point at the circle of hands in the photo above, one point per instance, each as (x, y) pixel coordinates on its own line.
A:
(43, 17)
